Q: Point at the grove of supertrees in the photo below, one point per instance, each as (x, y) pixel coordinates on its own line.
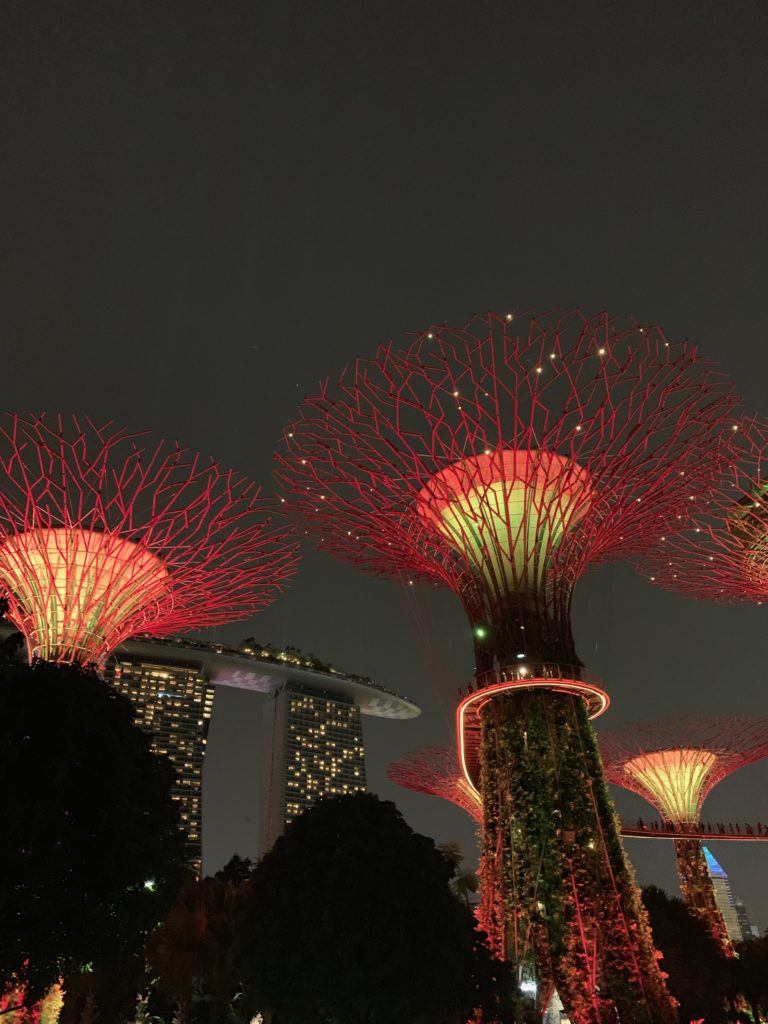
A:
(501, 460)
(106, 533)
(674, 763)
(723, 556)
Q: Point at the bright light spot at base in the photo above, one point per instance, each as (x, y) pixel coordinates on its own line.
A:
(150, 885)
(481, 632)
(528, 987)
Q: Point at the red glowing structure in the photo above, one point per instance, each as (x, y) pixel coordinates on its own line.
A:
(502, 463)
(104, 534)
(674, 763)
(724, 555)
(435, 771)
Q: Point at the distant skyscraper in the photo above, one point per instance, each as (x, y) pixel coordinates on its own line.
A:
(173, 703)
(724, 897)
(314, 747)
(748, 930)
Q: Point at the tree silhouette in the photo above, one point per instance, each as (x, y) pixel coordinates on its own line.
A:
(93, 852)
(192, 952)
(699, 975)
(352, 921)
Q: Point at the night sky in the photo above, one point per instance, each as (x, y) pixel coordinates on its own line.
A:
(206, 207)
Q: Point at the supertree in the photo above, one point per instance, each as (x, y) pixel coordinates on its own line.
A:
(723, 555)
(502, 464)
(104, 534)
(435, 771)
(674, 763)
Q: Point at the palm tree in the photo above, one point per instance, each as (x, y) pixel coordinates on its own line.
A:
(464, 883)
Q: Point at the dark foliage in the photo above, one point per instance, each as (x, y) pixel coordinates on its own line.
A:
(237, 869)
(751, 973)
(352, 921)
(192, 952)
(700, 978)
(87, 818)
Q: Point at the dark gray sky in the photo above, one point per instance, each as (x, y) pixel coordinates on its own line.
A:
(207, 206)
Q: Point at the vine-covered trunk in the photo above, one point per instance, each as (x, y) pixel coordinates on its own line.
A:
(565, 907)
(699, 892)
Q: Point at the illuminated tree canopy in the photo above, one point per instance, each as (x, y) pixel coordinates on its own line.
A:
(675, 762)
(723, 555)
(435, 771)
(501, 459)
(104, 534)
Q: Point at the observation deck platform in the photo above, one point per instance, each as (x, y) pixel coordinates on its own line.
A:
(524, 675)
(249, 670)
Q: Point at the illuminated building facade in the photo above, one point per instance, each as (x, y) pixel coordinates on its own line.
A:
(171, 682)
(173, 703)
(314, 748)
(724, 897)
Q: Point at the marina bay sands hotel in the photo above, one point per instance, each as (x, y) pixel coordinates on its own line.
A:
(313, 738)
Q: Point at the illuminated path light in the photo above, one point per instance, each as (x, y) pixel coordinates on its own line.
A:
(501, 460)
(104, 534)
(674, 764)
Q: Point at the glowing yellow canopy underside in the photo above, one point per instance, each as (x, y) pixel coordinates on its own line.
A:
(507, 511)
(748, 523)
(71, 590)
(674, 780)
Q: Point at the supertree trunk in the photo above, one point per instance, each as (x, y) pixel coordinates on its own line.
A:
(552, 844)
(699, 893)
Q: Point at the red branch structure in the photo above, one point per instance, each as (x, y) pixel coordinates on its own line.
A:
(674, 763)
(105, 534)
(501, 460)
(724, 554)
(435, 771)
